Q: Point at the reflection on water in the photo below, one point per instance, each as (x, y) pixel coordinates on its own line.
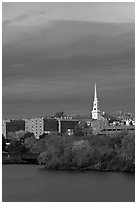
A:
(32, 183)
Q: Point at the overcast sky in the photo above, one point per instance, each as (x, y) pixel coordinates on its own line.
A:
(53, 53)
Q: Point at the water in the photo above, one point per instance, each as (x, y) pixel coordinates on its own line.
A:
(33, 183)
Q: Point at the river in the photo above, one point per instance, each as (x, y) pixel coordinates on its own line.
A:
(33, 183)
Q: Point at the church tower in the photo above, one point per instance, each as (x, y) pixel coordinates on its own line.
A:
(95, 111)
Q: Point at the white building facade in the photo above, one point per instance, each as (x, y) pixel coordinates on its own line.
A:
(4, 127)
(35, 125)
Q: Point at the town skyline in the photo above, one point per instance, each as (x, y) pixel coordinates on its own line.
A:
(54, 53)
(74, 114)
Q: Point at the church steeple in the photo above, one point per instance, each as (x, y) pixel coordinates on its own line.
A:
(95, 111)
(95, 94)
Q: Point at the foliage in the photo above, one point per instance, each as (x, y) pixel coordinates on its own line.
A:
(83, 130)
(80, 150)
(78, 131)
(99, 152)
(17, 146)
(16, 135)
(128, 147)
(29, 143)
(46, 156)
(88, 131)
(27, 135)
(59, 114)
(82, 153)
(17, 141)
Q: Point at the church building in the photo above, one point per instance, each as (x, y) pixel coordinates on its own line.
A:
(103, 123)
(98, 122)
(96, 113)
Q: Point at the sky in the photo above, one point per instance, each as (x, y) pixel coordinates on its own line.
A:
(54, 53)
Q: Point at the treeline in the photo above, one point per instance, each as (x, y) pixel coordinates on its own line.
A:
(79, 151)
(91, 152)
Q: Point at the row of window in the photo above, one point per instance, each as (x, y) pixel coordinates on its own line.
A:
(36, 129)
(35, 121)
(38, 133)
(36, 126)
(117, 129)
(32, 122)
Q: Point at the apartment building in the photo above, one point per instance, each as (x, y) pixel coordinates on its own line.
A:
(50, 125)
(112, 130)
(12, 126)
(65, 125)
(4, 133)
(35, 125)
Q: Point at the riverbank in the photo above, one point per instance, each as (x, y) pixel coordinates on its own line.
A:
(93, 168)
(33, 159)
(14, 158)
(98, 153)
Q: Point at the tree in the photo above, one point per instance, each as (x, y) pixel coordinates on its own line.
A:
(17, 146)
(39, 146)
(88, 131)
(59, 114)
(16, 135)
(128, 147)
(35, 145)
(44, 135)
(82, 153)
(27, 135)
(78, 131)
(47, 157)
(83, 125)
(29, 143)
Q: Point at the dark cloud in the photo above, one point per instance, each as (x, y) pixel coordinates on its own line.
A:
(4, 23)
(19, 18)
(55, 68)
(41, 12)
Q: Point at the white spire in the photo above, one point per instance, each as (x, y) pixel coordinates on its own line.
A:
(95, 94)
(95, 111)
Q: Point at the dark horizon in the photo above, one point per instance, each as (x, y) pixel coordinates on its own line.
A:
(53, 53)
